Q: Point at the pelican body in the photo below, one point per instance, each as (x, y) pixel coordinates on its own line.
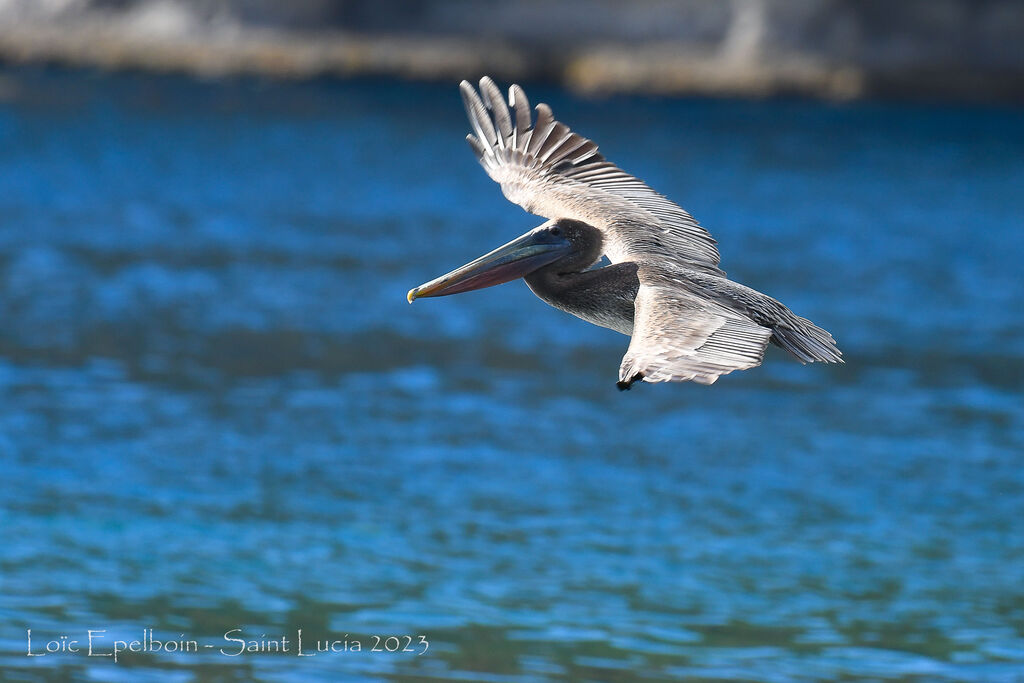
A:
(663, 285)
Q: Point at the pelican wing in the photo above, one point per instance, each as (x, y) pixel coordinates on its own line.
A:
(679, 336)
(556, 173)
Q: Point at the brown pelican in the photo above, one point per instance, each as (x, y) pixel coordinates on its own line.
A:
(663, 285)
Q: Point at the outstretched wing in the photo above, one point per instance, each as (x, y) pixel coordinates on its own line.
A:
(556, 173)
(679, 336)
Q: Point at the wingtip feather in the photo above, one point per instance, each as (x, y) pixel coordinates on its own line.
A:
(477, 113)
(499, 110)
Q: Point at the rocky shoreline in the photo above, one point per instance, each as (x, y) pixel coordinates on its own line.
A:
(755, 48)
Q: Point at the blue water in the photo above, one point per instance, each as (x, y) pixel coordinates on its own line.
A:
(219, 412)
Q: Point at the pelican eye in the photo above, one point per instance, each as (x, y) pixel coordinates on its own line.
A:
(555, 230)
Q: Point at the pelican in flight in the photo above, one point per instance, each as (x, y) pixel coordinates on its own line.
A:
(663, 286)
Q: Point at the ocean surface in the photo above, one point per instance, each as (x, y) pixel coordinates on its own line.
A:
(221, 422)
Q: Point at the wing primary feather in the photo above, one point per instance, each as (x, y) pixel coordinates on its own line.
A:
(541, 129)
(571, 143)
(587, 152)
(544, 115)
(478, 148)
(524, 143)
(498, 107)
(559, 134)
(478, 114)
(521, 105)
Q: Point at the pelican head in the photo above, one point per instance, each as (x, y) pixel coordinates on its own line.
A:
(567, 244)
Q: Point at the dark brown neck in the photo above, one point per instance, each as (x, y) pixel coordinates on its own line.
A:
(602, 296)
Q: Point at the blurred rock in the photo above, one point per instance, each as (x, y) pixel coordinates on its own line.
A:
(827, 48)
